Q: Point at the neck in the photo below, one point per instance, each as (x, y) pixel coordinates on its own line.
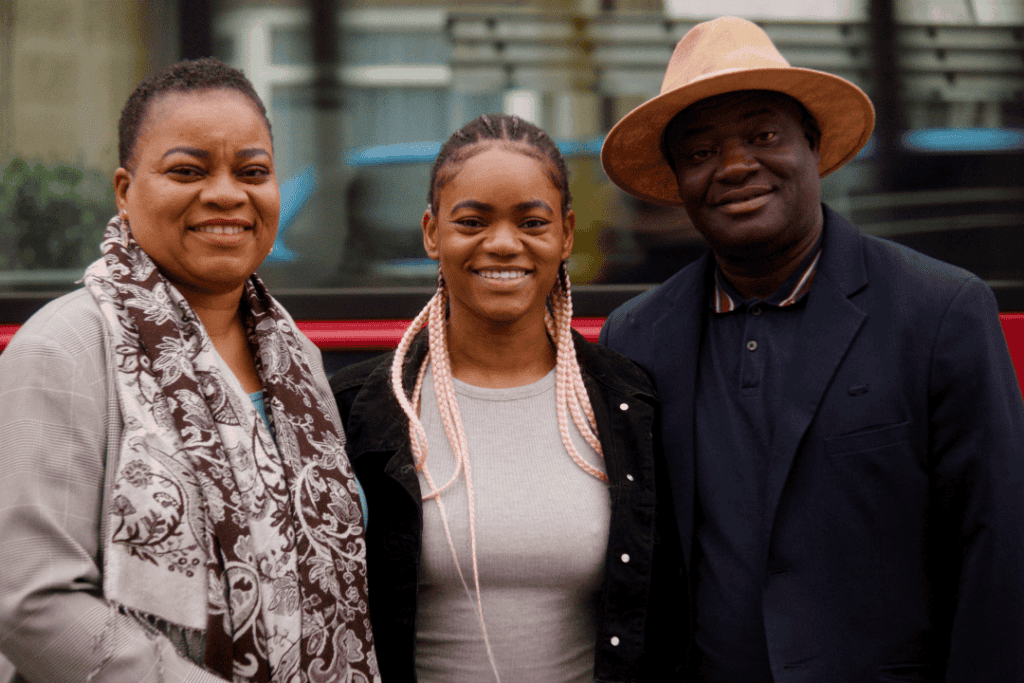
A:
(759, 273)
(499, 356)
(217, 311)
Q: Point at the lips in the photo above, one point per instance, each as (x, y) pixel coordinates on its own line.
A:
(742, 194)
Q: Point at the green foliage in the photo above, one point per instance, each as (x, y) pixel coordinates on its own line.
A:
(52, 216)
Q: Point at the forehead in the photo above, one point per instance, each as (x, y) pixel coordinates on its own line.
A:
(206, 115)
(500, 167)
(718, 112)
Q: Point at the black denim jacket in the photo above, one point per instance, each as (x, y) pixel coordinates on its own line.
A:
(643, 618)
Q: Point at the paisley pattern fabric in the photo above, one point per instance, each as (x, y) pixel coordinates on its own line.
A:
(212, 525)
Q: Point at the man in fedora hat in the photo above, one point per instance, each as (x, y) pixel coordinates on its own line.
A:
(842, 424)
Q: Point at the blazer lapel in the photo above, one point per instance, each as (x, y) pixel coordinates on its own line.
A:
(677, 343)
(829, 326)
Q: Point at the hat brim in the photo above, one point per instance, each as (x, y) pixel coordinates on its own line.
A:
(631, 153)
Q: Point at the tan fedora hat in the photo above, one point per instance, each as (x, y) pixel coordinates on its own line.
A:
(719, 56)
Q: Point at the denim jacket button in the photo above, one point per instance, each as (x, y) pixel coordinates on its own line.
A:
(615, 641)
(629, 477)
(623, 406)
(625, 558)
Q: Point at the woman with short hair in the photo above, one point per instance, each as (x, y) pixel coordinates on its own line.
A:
(175, 499)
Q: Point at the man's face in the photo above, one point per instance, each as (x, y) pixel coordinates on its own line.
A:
(747, 173)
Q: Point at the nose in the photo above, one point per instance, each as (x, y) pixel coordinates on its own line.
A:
(503, 239)
(737, 162)
(223, 190)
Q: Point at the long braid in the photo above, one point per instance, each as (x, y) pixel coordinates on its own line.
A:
(434, 315)
(570, 394)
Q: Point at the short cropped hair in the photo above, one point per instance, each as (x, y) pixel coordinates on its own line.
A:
(188, 76)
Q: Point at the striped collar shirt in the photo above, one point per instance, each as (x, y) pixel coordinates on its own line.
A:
(725, 298)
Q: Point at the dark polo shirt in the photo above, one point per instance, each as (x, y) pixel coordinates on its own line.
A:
(745, 348)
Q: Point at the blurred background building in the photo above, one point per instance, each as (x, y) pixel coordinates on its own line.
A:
(361, 94)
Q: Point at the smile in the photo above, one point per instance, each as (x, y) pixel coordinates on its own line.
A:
(743, 194)
(501, 274)
(744, 200)
(221, 229)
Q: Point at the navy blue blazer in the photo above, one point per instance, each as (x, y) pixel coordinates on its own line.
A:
(895, 501)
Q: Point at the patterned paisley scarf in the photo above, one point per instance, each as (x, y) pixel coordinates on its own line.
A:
(210, 526)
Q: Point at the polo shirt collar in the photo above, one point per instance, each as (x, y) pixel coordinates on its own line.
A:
(725, 298)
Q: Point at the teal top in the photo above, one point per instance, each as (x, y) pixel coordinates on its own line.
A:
(257, 398)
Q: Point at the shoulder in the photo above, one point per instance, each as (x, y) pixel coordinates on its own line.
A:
(643, 310)
(58, 370)
(920, 290)
(880, 270)
(354, 376)
(70, 325)
(348, 382)
(889, 260)
(612, 370)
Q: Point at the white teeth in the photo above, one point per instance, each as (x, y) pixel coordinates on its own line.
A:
(501, 274)
(222, 229)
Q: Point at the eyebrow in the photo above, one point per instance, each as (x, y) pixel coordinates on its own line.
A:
(203, 154)
(535, 204)
(483, 206)
(252, 152)
(191, 151)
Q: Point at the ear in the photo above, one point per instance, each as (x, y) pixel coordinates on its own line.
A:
(122, 179)
(431, 241)
(815, 146)
(813, 137)
(568, 233)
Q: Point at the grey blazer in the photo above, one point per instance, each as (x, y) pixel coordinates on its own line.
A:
(59, 420)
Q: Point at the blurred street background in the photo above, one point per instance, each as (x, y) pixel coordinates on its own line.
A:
(361, 94)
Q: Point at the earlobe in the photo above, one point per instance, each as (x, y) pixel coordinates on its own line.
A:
(122, 179)
(430, 241)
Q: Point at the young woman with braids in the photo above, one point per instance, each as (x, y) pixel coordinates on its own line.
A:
(509, 465)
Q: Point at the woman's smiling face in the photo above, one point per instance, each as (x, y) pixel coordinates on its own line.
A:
(499, 236)
(202, 198)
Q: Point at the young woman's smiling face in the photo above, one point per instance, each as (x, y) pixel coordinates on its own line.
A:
(499, 236)
(202, 198)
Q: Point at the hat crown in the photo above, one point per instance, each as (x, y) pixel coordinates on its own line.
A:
(720, 46)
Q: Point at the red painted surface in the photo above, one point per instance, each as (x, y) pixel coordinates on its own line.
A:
(357, 335)
(370, 335)
(6, 332)
(1013, 328)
